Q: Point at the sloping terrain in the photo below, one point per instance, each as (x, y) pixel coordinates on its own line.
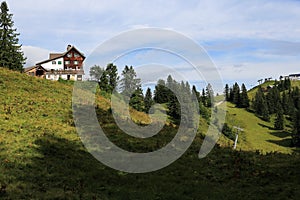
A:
(258, 134)
(42, 157)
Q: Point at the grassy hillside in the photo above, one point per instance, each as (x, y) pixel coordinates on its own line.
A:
(258, 134)
(252, 92)
(42, 157)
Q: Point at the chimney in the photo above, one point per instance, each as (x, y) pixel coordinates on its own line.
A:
(69, 47)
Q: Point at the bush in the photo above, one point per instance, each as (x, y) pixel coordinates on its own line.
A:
(228, 132)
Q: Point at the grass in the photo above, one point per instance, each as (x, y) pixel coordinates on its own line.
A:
(252, 91)
(42, 157)
(258, 134)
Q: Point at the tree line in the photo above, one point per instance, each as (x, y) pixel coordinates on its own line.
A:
(237, 95)
(129, 85)
(280, 100)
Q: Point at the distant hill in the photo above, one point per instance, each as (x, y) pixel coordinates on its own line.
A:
(252, 91)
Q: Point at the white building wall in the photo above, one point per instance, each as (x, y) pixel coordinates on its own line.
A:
(56, 66)
(73, 77)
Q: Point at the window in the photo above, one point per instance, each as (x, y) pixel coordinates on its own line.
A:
(59, 62)
(76, 55)
(67, 62)
(53, 62)
(79, 77)
(75, 62)
(69, 55)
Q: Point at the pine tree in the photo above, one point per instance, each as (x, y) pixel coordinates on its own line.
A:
(170, 82)
(196, 94)
(288, 104)
(296, 129)
(161, 92)
(174, 109)
(137, 100)
(244, 99)
(287, 84)
(284, 101)
(230, 95)
(273, 98)
(129, 82)
(112, 76)
(264, 111)
(103, 83)
(148, 101)
(210, 96)
(204, 98)
(226, 92)
(11, 55)
(260, 105)
(279, 121)
(236, 94)
(96, 72)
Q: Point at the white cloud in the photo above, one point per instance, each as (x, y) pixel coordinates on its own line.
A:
(34, 54)
(258, 34)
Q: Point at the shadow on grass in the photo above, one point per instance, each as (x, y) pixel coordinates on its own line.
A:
(63, 169)
(284, 142)
(265, 126)
(281, 134)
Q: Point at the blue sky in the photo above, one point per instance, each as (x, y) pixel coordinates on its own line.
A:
(247, 40)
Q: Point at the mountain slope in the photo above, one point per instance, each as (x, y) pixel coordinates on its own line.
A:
(257, 134)
(42, 157)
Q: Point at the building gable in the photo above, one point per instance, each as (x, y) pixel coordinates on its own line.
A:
(67, 65)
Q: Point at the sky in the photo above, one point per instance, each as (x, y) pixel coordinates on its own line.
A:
(245, 40)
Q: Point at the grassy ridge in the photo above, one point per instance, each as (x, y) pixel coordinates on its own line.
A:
(41, 156)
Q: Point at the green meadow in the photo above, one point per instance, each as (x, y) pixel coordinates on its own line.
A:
(42, 157)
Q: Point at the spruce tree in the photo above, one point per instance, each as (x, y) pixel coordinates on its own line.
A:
(296, 129)
(226, 92)
(103, 83)
(273, 98)
(196, 93)
(279, 121)
(244, 99)
(96, 72)
(112, 76)
(11, 55)
(204, 98)
(148, 101)
(236, 94)
(260, 105)
(129, 82)
(161, 92)
(264, 111)
(288, 104)
(174, 109)
(210, 96)
(137, 100)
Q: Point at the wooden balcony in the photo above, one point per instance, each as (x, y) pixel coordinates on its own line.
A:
(60, 72)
